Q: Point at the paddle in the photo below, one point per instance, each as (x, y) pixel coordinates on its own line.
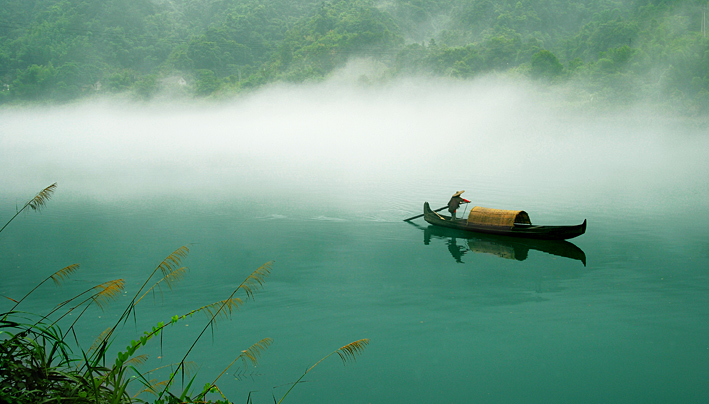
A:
(417, 216)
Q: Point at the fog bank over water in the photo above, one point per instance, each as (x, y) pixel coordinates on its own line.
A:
(341, 141)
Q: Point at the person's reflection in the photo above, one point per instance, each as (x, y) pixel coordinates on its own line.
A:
(503, 247)
(456, 250)
(427, 236)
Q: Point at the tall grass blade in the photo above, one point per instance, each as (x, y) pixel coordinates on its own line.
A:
(99, 340)
(252, 354)
(57, 277)
(221, 309)
(36, 203)
(250, 285)
(190, 367)
(40, 200)
(104, 293)
(63, 273)
(256, 280)
(347, 352)
(173, 260)
(170, 280)
(168, 265)
(137, 360)
(351, 350)
(107, 291)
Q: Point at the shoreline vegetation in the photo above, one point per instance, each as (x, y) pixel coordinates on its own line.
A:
(598, 52)
(41, 359)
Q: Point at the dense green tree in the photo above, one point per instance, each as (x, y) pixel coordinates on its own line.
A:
(33, 82)
(335, 33)
(545, 65)
(206, 82)
(500, 51)
(618, 50)
(121, 81)
(147, 86)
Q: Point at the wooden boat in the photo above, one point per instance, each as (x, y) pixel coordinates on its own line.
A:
(513, 223)
(514, 248)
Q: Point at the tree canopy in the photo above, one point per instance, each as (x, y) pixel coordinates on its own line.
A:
(611, 50)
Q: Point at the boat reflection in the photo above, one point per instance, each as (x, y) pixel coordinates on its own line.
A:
(501, 246)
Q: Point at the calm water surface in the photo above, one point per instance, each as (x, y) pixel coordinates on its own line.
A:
(619, 316)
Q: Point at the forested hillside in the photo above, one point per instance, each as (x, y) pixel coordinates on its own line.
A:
(603, 52)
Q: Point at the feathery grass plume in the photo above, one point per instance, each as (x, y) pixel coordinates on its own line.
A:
(104, 292)
(107, 291)
(347, 352)
(36, 203)
(252, 354)
(57, 277)
(98, 340)
(137, 360)
(151, 386)
(224, 308)
(174, 276)
(167, 266)
(66, 302)
(351, 350)
(40, 200)
(250, 285)
(173, 260)
(256, 280)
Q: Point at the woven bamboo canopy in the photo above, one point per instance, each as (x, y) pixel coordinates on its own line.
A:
(497, 217)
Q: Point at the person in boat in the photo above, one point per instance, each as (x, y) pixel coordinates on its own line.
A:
(455, 202)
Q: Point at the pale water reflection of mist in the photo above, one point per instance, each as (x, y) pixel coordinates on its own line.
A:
(396, 144)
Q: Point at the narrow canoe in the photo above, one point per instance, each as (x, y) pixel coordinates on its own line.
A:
(515, 230)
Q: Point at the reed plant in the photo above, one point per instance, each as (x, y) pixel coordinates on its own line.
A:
(42, 360)
(36, 204)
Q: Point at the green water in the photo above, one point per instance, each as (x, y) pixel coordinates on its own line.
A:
(622, 316)
(630, 326)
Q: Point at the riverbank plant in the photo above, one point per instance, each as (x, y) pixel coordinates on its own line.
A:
(42, 361)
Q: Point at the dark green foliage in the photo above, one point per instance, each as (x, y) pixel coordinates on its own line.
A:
(33, 82)
(146, 86)
(59, 50)
(317, 45)
(206, 82)
(36, 366)
(545, 65)
(461, 62)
